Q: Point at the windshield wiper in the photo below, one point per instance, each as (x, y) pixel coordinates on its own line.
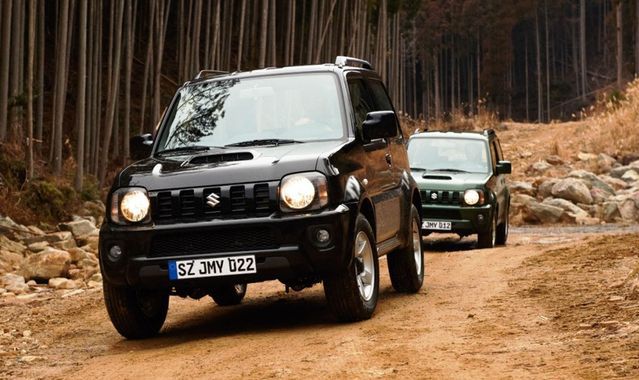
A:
(275, 142)
(451, 170)
(192, 148)
(418, 169)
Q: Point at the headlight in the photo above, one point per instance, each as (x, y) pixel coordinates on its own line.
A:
(129, 205)
(473, 197)
(303, 191)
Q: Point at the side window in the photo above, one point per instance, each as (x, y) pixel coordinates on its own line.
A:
(360, 100)
(493, 154)
(382, 101)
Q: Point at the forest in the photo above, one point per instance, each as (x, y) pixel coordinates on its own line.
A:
(78, 78)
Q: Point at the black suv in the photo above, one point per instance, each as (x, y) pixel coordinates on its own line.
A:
(298, 174)
(462, 179)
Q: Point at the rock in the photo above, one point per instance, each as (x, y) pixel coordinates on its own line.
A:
(38, 247)
(634, 164)
(583, 156)
(91, 242)
(599, 196)
(544, 190)
(62, 283)
(7, 244)
(535, 212)
(630, 176)
(79, 228)
(573, 190)
(587, 220)
(36, 230)
(591, 180)
(565, 205)
(65, 245)
(79, 254)
(615, 183)
(554, 160)
(610, 212)
(88, 263)
(14, 283)
(50, 238)
(538, 168)
(12, 229)
(94, 284)
(96, 277)
(619, 171)
(10, 261)
(628, 210)
(522, 188)
(47, 264)
(605, 162)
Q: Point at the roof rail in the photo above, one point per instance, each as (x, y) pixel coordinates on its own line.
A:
(489, 131)
(210, 74)
(350, 61)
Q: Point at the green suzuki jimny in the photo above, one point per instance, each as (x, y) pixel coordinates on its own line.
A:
(461, 177)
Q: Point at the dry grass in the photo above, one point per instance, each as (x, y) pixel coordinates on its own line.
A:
(615, 125)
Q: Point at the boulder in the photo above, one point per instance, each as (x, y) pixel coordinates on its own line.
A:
(65, 245)
(610, 212)
(10, 261)
(7, 244)
(62, 283)
(538, 168)
(544, 190)
(36, 230)
(615, 183)
(14, 283)
(573, 190)
(565, 205)
(619, 171)
(554, 160)
(522, 188)
(535, 212)
(599, 196)
(79, 228)
(583, 156)
(79, 254)
(605, 162)
(47, 264)
(631, 176)
(50, 238)
(12, 229)
(628, 209)
(38, 247)
(591, 180)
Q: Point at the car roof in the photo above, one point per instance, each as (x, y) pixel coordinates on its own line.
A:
(473, 135)
(301, 69)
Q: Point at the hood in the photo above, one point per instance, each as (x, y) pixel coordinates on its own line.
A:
(226, 166)
(433, 180)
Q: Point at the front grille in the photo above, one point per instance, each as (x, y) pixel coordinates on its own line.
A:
(203, 242)
(441, 197)
(236, 201)
(443, 214)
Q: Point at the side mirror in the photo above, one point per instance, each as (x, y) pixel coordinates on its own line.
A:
(379, 125)
(503, 167)
(140, 146)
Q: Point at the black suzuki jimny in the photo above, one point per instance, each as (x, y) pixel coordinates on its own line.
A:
(296, 174)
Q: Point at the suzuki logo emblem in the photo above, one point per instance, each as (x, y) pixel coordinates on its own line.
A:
(433, 196)
(213, 200)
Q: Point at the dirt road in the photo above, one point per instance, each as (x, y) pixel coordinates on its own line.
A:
(551, 304)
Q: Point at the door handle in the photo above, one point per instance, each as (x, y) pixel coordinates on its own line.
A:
(389, 159)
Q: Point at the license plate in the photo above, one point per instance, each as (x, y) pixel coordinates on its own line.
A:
(436, 225)
(219, 266)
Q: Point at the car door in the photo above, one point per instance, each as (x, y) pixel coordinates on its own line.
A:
(379, 176)
(396, 158)
(501, 189)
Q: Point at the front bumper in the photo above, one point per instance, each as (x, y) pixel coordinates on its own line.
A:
(464, 220)
(284, 247)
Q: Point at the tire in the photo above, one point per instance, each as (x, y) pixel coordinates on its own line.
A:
(228, 295)
(503, 229)
(488, 238)
(352, 294)
(136, 313)
(406, 265)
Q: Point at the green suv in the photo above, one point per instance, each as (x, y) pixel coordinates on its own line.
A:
(461, 177)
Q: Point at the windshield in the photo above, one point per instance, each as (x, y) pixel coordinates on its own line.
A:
(453, 155)
(283, 108)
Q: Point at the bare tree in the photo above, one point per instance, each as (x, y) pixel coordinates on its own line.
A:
(264, 33)
(619, 45)
(4, 68)
(30, 69)
(60, 85)
(582, 46)
(81, 95)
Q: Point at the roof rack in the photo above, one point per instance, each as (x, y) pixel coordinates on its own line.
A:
(489, 131)
(210, 74)
(350, 61)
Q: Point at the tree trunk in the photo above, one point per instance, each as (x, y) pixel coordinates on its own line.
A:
(30, 68)
(241, 38)
(582, 46)
(438, 108)
(526, 75)
(130, 49)
(40, 94)
(272, 33)
(547, 62)
(60, 85)
(4, 68)
(539, 86)
(81, 95)
(637, 37)
(620, 45)
(263, 33)
(146, 77)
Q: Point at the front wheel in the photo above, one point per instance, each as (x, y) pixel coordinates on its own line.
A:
(352, 294)
(502, 229)
(228, 295)
(488, 238)
(136, 313)
(406, 265)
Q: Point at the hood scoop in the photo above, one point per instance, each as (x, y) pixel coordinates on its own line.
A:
(220, 157)
(441, 177)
